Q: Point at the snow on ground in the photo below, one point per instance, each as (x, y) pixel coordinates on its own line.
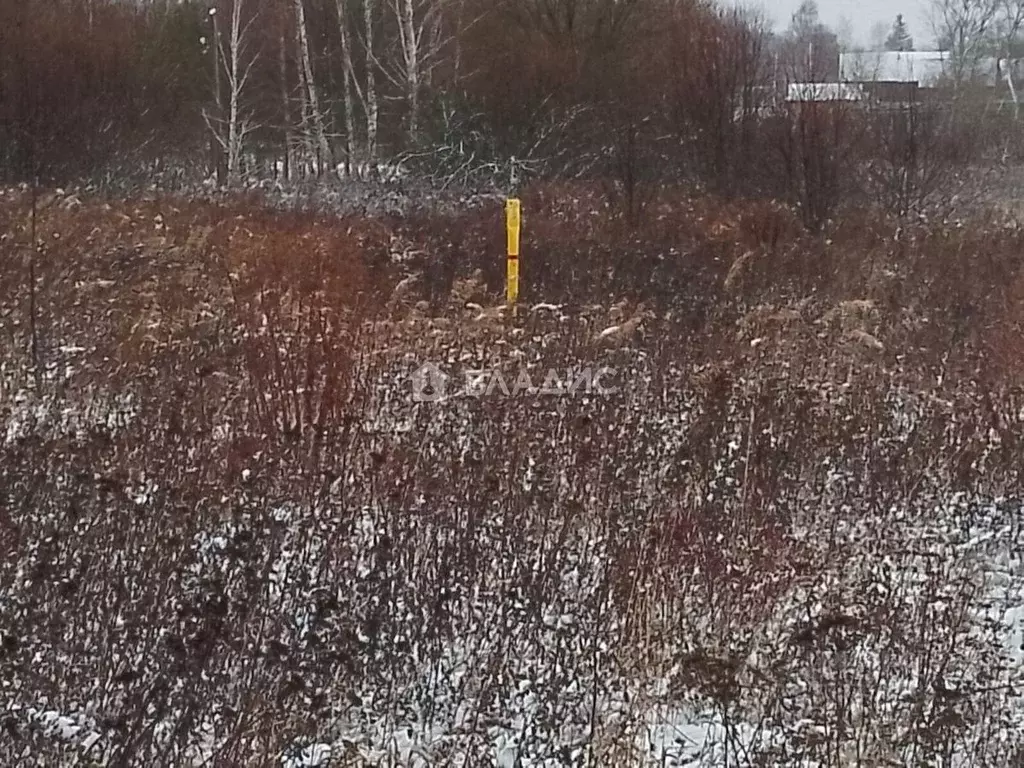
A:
(881, 626)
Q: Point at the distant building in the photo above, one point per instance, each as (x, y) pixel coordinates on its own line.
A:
(803, 92)
(896, 79)
(926, 68)
(892, 92)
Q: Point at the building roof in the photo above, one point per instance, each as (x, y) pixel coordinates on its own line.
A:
(824, 92)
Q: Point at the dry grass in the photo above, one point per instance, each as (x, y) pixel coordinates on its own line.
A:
(227, 529)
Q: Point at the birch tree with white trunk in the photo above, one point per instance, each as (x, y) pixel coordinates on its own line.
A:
(370, 99)
(236, 59)
(421, 44)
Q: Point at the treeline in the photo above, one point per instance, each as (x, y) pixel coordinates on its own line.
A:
(88, 86)
(317, 83)
(626, 92)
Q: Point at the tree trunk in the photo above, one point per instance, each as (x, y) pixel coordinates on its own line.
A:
(303, 144)
(316, 117)
(285, 106)
(410, 56)
(234, 130)
(232, 136)
(346, 54)
(460, 14)
(1013, 88)
(216, 150)
(369, 6)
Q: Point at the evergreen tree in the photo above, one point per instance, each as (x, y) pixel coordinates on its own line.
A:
(899, 39)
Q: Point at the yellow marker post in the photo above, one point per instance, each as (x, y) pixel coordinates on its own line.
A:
(512, 224)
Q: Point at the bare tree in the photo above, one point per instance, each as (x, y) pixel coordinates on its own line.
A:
(912, 153)
(421, 43)
(964, 28)
(347, 82)
(365, 92)
(816, 150)
(370, 97)
(458, 11)
(588, 28)
(312, 115)
(810, 48)
(845, 34)
(876, 37)
(236, 58)
(286, 105)
(717, 77)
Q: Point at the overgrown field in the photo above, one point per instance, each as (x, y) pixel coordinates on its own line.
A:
(229, 534)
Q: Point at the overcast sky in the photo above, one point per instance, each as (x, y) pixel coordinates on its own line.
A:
(861, 15)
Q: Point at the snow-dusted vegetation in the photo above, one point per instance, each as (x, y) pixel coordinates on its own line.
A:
(778, 525)
(790, 537)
